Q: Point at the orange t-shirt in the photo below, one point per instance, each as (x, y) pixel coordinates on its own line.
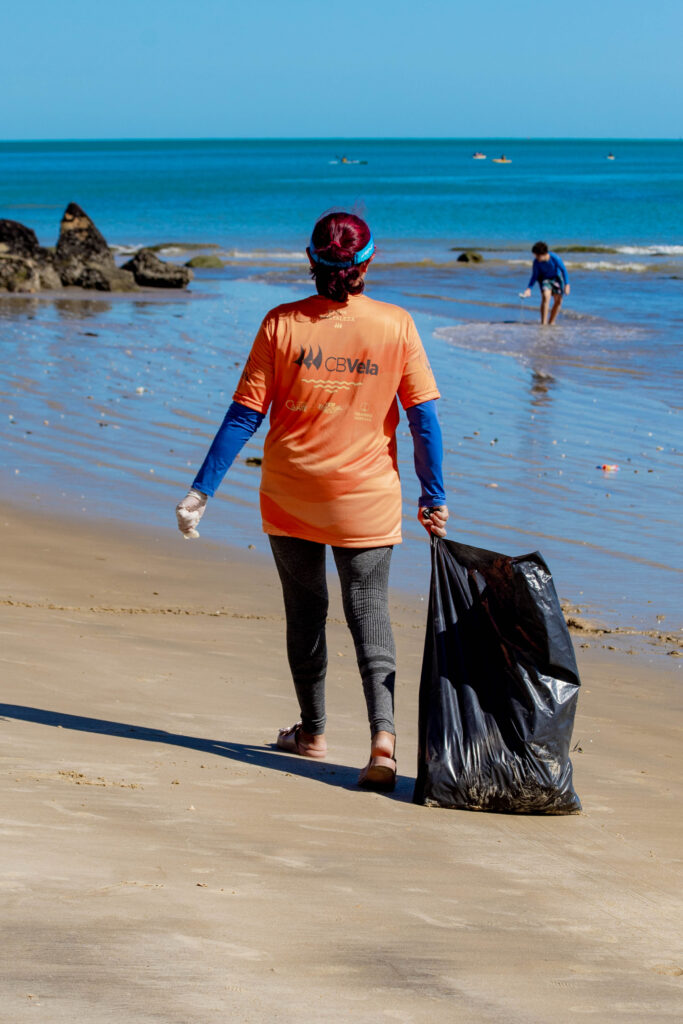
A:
(331, 373)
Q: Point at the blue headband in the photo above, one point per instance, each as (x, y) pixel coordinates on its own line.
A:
(358, 257)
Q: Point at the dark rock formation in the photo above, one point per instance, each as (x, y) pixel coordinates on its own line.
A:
(208, 262)
(83, 257)
(24, 265)
(17, 240)
(470, 256)
(17, 275)
(48, 274)
(151, 272)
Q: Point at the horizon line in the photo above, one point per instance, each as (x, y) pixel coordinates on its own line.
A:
(350, 138)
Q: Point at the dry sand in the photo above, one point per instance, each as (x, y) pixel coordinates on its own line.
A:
(161, 862)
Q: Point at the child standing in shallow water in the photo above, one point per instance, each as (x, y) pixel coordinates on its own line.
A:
(551, 274)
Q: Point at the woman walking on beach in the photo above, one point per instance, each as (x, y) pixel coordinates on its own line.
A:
(330, 368)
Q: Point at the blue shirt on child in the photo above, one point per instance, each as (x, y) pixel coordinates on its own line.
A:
(545, 270)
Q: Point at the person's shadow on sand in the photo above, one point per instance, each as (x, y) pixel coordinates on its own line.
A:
(271, 757)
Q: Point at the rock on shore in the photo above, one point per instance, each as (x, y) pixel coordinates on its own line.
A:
(470, 256)
(82, 259)
(206, 262)
(152, 272)
(24, 265)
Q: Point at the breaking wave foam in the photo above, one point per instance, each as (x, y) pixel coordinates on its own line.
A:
(650, 250)
(596, 265)
(608, 265)
(125, 250)
(263, 254)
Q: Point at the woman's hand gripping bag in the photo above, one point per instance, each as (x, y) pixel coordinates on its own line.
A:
(499, 686)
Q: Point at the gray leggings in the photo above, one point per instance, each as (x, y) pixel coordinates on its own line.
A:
(364, 577)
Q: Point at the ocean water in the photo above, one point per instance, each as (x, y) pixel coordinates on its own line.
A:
(110, 401)
(253, 196)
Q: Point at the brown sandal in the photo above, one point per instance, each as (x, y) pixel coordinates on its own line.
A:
(290, 740)
(379, 773)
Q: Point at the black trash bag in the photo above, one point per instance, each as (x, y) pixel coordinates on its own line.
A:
(499, 686)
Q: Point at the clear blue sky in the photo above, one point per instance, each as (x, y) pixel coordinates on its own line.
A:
(315, 68)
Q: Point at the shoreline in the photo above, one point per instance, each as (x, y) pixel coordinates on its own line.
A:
(115, 396)
(161, 859)
(586, 632)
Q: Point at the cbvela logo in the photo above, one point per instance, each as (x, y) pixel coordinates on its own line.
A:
(336, 364)
(308, 360)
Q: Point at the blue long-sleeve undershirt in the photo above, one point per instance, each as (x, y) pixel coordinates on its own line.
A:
(241, 423)
(428, 451)
(543, 270)
(238, 426)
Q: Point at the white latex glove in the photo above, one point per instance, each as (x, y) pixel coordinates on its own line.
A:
(189, 511)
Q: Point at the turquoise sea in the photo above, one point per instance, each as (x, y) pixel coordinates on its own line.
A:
(109, 401)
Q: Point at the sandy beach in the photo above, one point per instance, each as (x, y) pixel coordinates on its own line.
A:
(161, 861)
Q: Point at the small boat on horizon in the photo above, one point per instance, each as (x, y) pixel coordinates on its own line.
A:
(346, 160)
(479, 156)
(501, 159)
(610, 156)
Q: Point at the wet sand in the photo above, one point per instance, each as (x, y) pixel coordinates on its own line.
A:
(109, 395)
(161, 861)
(111, 402)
